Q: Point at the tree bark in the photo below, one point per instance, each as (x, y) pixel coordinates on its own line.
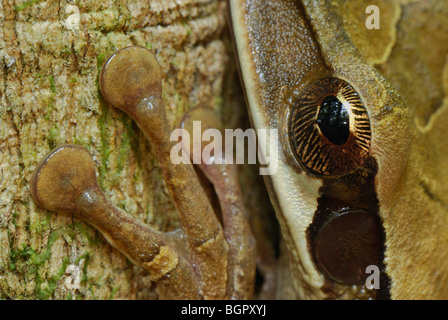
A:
(51, 53)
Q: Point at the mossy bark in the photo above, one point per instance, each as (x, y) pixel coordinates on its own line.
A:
(51, 52)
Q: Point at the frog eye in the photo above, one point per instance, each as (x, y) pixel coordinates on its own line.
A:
(329, 128)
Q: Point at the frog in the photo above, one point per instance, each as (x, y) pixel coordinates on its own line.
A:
(360, 165)
(384, 205)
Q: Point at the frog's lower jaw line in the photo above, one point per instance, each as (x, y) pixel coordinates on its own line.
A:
(295, 211)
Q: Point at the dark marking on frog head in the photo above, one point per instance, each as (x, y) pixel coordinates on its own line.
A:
(346, 234)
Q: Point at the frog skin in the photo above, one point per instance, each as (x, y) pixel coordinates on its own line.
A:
(284, 48)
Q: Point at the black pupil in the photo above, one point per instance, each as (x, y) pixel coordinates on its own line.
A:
(333, 120)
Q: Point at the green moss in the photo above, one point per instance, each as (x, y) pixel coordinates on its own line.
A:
(80, 141)
(29, 257)
(74, 80)
(86, 257)
(41, 225)
(102, 124)
(136, 177)
(39, 259)
(50, 105)
(187, 26)
(92, 292)
(52, 85)
(113, 292)
(52, 136)
(14, 216)
(123, 151)
(26, 4)
(66, 51)
(129, 141)
(45, 293)
(100, 60)
(17, 255)
(122, 204)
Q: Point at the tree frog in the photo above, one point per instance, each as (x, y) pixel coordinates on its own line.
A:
(361, 114)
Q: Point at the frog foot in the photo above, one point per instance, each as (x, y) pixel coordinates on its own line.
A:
(215, 265)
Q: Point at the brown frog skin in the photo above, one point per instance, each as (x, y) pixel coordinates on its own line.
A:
(283, 48)
(396, 190)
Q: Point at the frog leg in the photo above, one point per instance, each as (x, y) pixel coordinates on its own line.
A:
(65, 181)
(131, 80)
(235, 217)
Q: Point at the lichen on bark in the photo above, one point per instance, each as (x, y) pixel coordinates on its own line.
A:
(51, 53)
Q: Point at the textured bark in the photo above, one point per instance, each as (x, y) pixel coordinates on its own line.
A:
(51, 52)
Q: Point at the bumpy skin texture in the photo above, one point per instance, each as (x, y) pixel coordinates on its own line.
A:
(403, 85)
(411, 156)
(417, 224)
